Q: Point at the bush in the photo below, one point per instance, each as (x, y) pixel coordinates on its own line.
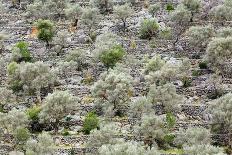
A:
(153, 9)
(33, 113)
(91, 122)
(21, 135)
(170, 7)
(21, 53)
(203, 65)
(148, 29)
(111, 57)
(45, 30)
(195, 73)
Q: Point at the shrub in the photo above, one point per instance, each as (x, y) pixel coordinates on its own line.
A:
(33, 113)
(200, 36)
(21, 53)
(195, 73)
(91, 122)
(123, 12)
(45, 30)
(224, 32)
(113, 90)
(203, 65)
(73, 12)
(105, 6)
(21, 135)
(219, 52)
(56, 106)
(169, 7)
(193, 136)
(43, 145)
(203, 149)
(111, 57)
(148, 28)
(153, 9)
(166, 96)
(90, 19)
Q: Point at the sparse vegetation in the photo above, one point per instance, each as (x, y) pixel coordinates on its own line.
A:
(111, 77)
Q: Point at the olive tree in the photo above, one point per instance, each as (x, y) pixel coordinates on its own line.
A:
(154, 8)
(13, 119)
(150, 129)
(45, 31)
(123, 12)
(90, 19)
(200, 36)
(220, 109)
(200, 149)
(166, 96)
(31, 77)
(56, 106)
(193, 136)
(224, 32)
(193, 6)
(105, 135)
(43, 145)
(113, 90)
(108, 49)
(179, 18)
(73, 12)
(148, 28)
(219, 53)
(139, 107)
(105, 6)
(127, 148)
(74, 60)
(222, 12)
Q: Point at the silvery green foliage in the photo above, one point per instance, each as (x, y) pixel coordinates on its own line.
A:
(61, 38)
(179, 19)
(132, 2)
(73, 12)
(90, 19)
(44, 145)
(34, 76)
(220, 110)
(139, 107)
(38, 10)
(105, 6)
(222, 12)
(123, 12)
(150, 128)
(166, 96)
(46, 9)
(74, 60)
(193, 136)
(154, 64)
(16, 153)
(113, 90)
(180, 16)
(193, 6)
(199, 36)
(161, 73)
(105, 42)
(13, 119)
(200, 149)
(127, 148)
(219, 52)
(105, 135)
(154, 8)
(56, 6)
(6, 96)
(56, 106)
(224, 32)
